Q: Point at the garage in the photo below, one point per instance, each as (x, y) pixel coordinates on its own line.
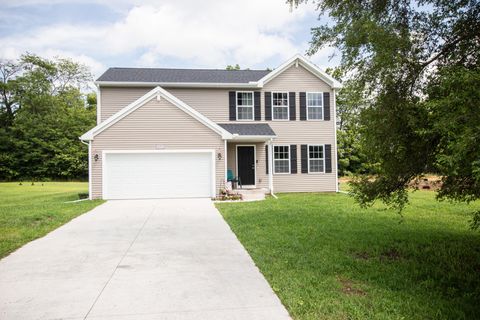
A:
(158, 174)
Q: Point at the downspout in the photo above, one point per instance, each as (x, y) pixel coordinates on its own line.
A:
(89, 144)
(270, 168)
(335, 137)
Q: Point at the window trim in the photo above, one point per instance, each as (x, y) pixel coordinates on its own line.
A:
(308, 158)
(289, 159)
(236, 106)
(287, 106)
(306, 103)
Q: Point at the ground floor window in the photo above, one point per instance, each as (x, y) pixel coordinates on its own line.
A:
(316, 158)
(281, 159)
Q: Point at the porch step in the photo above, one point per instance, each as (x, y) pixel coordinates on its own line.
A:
(251, 194)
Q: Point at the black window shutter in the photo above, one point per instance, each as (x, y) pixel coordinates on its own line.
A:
(328, 158)
(291, 103)
(304, 151)
(266, 158)
(326, 106)
(268, 106)
(293, 158)
(232, 106)
(303, 106)
(256, 105)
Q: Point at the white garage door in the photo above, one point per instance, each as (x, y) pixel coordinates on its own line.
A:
(157, 175)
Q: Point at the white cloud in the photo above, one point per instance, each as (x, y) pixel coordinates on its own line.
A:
(204, 33)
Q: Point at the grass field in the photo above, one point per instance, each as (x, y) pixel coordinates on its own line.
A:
(328, 259)
(30, 211)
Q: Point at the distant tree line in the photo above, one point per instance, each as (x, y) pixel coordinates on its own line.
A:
(43, 111)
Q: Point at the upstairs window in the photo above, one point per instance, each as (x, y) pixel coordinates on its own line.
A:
(244, 105)
(315, 106)
(280, 106)
(281, 159)
(316, 158)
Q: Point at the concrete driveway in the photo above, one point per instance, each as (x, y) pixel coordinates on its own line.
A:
(137, 259)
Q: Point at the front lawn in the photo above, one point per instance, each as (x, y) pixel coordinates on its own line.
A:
(30, 211)
(328, 259)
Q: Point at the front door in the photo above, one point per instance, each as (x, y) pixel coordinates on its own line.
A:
(246, 164)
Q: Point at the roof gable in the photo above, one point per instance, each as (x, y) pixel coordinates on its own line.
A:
(159, 93)
(309, 66)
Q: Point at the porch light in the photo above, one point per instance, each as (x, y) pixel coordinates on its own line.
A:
(95, 157)
(219, 156)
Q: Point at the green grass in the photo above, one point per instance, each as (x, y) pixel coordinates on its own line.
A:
(28, 212)
(328, 259)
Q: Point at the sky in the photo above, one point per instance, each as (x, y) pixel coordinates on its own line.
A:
(256, 34)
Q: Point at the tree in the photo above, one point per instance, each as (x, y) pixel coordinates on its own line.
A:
(417, 65)
(351, 158)
(235, 67)
(48, 114)
(8, 104)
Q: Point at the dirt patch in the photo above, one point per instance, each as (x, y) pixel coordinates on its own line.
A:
(361, 255)
(391, 254)
(349, 287)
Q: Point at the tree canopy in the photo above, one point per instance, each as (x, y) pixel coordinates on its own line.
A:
(415, 67)
(43, 111)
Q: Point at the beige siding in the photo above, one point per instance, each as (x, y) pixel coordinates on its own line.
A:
(212, 103)
(113, 100)
(156, 123)
(298, 79)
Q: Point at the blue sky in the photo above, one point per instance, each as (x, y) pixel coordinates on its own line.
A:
(179, 33)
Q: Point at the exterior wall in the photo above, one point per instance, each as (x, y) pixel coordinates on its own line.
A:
(213, 103)
(114, 99)
(156, 123)
(298, 79)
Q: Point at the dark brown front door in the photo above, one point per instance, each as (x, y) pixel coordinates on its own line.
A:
(246, 164)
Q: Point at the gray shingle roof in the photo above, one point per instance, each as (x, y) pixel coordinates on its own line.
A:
(181, 75)
(248, 129)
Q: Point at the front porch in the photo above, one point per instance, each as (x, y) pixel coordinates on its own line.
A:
(246, 159)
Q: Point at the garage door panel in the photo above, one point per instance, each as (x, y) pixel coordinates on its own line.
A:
(157, 175)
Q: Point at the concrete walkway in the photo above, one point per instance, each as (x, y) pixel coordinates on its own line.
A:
(137, 259)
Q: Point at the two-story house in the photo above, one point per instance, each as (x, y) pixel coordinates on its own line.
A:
(170, 133)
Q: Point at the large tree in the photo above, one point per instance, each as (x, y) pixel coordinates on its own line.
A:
(43, 111)
(416, 63)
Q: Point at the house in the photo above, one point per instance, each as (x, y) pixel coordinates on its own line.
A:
(166, 133)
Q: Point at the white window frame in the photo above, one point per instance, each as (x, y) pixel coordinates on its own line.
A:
(323, 109)
(308, 157)
(236, 105)
(287, 106)
(289, 160)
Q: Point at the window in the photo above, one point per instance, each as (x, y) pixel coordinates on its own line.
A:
(280, 105)
(316, 160)
(281, 159)
(315, 105)
(244, 105)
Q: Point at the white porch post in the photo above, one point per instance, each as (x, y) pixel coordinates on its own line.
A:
(270, 166)
(225, 156)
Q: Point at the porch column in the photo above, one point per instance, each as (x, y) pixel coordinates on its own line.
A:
(270, 166)
(225, 156)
